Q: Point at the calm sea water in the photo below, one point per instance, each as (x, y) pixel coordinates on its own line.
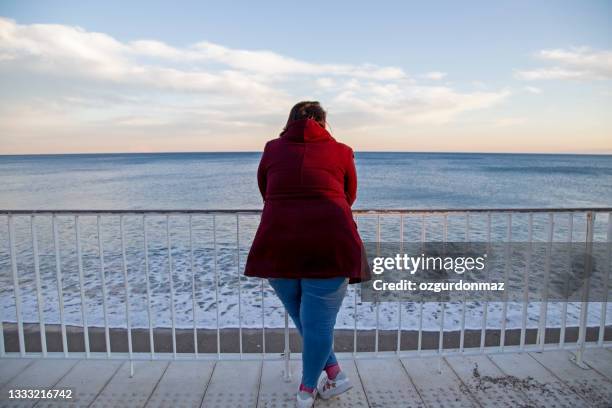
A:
(227, 180)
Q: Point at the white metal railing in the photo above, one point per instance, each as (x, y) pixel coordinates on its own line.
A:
(585, 217)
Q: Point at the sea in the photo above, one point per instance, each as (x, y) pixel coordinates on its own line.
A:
(189, 268)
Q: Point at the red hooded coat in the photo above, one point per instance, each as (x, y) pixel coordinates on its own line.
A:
(308, 182)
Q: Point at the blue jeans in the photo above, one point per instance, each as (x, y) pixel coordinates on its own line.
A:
(313, 304)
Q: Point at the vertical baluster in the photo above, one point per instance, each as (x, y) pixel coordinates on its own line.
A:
(16, 288)
(399, 302)
(193, 291)
(584, 304)
(485, 306)
(443, 304)
(544, 302)
(604, 303)
(60, 289)
(287, 350)
(216, 272)
(39, 294)
(239, 284)
(355, 309)
(148, 286)
(103, 283)
(263, 322)
(376, 294)
(171, 279)
(502, 337)
(126, 285)
(569, 258)
(420, 331)
(354, 320)
(464, 303)
(77, 229)
(526, 281)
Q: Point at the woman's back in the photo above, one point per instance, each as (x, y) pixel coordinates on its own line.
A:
(308, 182)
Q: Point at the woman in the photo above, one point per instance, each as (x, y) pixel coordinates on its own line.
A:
(307, 243)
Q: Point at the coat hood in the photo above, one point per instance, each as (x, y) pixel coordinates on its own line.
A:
(306, 131)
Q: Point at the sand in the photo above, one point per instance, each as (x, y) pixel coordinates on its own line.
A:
(252, 339)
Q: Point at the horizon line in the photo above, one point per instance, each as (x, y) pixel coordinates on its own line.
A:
(261, 151)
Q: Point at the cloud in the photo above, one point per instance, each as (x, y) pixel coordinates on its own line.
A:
(93, 84)
(578, 63)
(59, 50)
(533, 89)
(384, 104)
(325, 83)
(97, 55)
(434, 75)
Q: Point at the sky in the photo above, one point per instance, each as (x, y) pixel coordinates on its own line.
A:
(439, 76)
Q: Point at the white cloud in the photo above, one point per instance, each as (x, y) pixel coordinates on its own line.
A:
(533, 89)
(578, 63)
(81, 80)
(381, 105)
(325, 83)
(434, 75)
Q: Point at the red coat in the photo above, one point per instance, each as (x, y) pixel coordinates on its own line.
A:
(308, 182)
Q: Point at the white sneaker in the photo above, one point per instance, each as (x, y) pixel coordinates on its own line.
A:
(330, 388)
(305, 399)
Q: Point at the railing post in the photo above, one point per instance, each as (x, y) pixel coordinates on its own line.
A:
(541, 337)
(584, 310)
(59, 279)
(84, 313)
(287, 351)
(420, 330)
(171, 289)
(464, 300)
(570, 239)
(148, 285)
(126, 286)
(194, 304)
(354, 320)
(485, 306)
(399, 302)
(39, 295)
(16, 288)
(103, 284)
(442, 303)
(263, 322)
(376, 295)
(526, 282)
(355, 310)
(508, 249)
(239, 277)
(214, 221)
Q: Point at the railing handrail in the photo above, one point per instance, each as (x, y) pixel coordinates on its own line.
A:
(359, 211)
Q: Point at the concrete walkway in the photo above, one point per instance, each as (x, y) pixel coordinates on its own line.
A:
(546, 379)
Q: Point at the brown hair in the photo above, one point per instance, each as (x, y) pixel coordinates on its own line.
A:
(306, 110)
